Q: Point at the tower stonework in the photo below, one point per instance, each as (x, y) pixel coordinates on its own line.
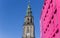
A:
(28, 27)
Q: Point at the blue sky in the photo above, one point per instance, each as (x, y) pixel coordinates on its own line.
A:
(12, 14)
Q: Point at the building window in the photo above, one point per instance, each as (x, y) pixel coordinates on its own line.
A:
(45, 15)
(47, 11)
(44, 32)
(28, 19)
(53, 35)
(31, 20)
(49, 21)
(52, 17)
(49, 7)
(27, 22)
(46, 29)
(27, 29)
(57, 30)
(55, 11)
(47, 25)
(44, 19)
(51, 1)
(44, 3)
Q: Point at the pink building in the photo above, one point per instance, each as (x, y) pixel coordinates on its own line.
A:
(50, 19)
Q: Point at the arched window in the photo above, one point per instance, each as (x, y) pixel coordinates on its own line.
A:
(28, 19)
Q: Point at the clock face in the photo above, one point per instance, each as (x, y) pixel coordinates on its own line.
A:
(28, 34)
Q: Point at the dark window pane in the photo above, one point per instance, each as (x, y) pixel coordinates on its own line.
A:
(57, 30)
(44, 19)
(47, 25)
(44, 32)
(47, 11)
(31, 20)
(51, 1)
(44, 3)
(49, 21)
(28, 23)
(46, 29)
(54, 35)
(52, 17)
(55, 11)
(28, 19)
(45, 15)
(49, 7)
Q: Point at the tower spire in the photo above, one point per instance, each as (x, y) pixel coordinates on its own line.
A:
(29, 12)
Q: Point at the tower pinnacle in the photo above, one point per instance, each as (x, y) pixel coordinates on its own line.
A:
(29, 12)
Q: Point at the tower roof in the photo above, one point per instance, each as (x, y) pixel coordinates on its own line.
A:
(29, 12)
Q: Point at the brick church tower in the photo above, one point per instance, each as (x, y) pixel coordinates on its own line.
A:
(28, 27)
(50, 19)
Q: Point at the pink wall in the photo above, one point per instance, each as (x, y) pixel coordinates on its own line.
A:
(50, 19)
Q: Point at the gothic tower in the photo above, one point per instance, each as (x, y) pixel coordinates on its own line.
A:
(28, 28)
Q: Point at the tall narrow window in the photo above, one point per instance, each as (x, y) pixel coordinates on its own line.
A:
(44, 19)
(27, 29)
(51, 1)
(52, 17)
(47, 11)
(55, 11)
(31, 20)
(46, 29)
(45, 15)
(54, 35)
(49, 21)
(48, 25)
(57, 30)
(49, 7)
(28, 19)
(44, 3)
